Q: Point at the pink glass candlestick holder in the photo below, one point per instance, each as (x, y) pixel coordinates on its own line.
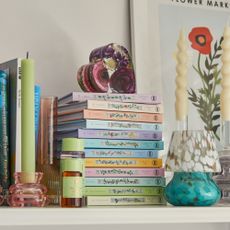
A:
(27, 191)
(1, 199)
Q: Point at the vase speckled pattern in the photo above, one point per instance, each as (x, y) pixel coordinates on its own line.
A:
(192, 189)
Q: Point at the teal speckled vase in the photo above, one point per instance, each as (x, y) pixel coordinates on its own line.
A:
(192, 189)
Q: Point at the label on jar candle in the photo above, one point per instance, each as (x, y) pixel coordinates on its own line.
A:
(72, 187)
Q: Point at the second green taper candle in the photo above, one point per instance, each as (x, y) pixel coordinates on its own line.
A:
(27, 116)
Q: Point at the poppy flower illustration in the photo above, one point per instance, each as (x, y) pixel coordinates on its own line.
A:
(201, 39)
(206, 99)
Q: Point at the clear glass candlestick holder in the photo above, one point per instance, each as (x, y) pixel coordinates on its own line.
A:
(27, 191)
(223, 179)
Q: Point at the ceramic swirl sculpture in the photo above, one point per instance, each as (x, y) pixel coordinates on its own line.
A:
(110, 70)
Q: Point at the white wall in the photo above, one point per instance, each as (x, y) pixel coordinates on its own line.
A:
(60, 34)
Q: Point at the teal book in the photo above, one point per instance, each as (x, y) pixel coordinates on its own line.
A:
(37, 98)
(13, 68)
(4, 133)
(123, 144)
(104, 182)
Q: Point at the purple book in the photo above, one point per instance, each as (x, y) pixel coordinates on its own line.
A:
(133, 98)
(111, 134)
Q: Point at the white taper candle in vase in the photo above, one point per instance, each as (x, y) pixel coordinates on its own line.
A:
(181, 104)
(225, 92)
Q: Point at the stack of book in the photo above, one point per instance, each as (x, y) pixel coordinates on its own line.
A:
(122, 134)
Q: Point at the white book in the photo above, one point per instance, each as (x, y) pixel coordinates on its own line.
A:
(119, 97)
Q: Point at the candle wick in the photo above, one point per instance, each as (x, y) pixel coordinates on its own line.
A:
(27, 55)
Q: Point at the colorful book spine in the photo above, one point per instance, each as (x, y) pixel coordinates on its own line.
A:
(136, 98)
(123, 144)
(37, 97)
(111, 134)
(124, 172)
(116, 125)
(120, 153)
(121, 106)
(120, 135)
(123, 116)
(154, 181)
(123, 162)
(108, 105)
(124, 191)
(4, 133)
(112, 115)
(125, 200)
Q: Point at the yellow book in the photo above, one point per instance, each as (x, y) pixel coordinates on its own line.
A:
(124, 162)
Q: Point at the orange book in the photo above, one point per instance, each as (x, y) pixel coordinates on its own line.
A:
(123, 162)
(113, 115)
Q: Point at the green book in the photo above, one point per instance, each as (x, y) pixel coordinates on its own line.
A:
(124, 191)
(125, 200)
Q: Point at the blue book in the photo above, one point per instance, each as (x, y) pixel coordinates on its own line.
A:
(120, 153)
(154, 181)
(123, 144)
(13, 69)
(37, 97)
(4, 132)
(114, 125)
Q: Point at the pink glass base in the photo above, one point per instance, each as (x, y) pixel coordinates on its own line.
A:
(27, 191)
(1, 199)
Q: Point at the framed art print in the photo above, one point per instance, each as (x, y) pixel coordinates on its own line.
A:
(156, 27)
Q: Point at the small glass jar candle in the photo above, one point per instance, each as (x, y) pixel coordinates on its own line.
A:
(72, 173)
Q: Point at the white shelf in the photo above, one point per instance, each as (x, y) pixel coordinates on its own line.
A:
(112, 216)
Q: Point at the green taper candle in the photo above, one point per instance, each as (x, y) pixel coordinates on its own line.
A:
(27, 116)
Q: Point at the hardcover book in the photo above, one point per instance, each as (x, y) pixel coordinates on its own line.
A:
(155, 181)
(112, 115)
(124, 191)
(125, 200)
(4, 132)
(124, 172)
(115, 125)
(108, 105)
(110, 134)
(133, 98)
(14, 69)
(123, 162)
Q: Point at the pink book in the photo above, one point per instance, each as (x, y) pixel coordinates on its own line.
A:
(112, 115)
(124, 172)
